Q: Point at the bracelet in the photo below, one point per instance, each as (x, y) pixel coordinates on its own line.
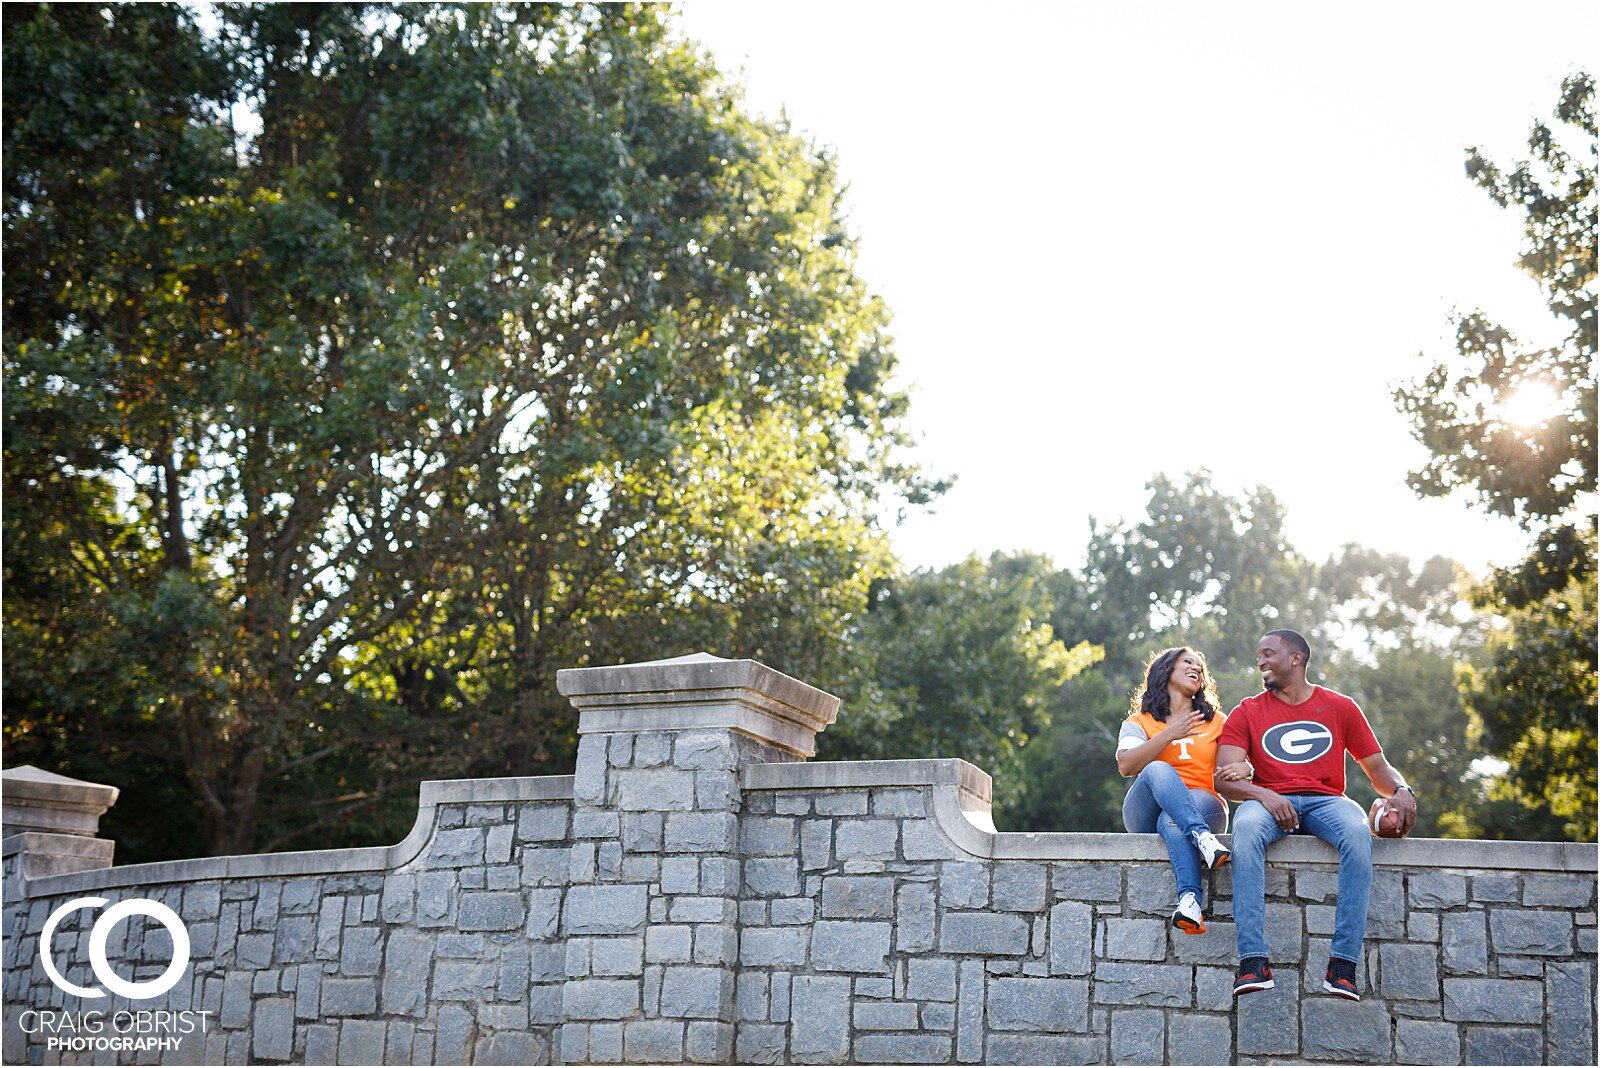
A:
(1408, 790)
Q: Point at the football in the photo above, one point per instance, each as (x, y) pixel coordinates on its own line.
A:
(1383, 820)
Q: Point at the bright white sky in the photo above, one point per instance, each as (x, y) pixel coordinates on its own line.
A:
(1123, 238)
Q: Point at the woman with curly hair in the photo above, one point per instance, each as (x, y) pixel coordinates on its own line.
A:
(1168, 747)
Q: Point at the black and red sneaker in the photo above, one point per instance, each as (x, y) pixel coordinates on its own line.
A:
(1341, 979)
(1254, 974)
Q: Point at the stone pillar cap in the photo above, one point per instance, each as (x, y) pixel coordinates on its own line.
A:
(32, 799)
(698, 691)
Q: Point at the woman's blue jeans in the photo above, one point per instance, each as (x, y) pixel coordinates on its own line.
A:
(1159, 801)
(1338, 821)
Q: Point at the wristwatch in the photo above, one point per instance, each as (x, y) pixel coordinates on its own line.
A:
(1408, 790)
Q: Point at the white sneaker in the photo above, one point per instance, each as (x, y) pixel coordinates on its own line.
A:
(1212, 851)
(1187, 917)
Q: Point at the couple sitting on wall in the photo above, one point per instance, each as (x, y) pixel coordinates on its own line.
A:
(1280, 754)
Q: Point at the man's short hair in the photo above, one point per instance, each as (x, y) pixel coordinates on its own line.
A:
(1294, 640)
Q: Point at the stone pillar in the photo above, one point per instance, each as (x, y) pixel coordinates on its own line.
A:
(51, 822)
(656, 801)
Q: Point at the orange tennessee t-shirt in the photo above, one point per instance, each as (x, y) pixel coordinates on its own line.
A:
(1194, 759)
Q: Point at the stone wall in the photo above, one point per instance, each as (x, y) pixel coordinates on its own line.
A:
(697, 892)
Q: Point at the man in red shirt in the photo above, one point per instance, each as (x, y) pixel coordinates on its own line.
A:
(1295, 736)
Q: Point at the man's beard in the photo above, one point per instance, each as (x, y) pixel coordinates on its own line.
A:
(1270, 685)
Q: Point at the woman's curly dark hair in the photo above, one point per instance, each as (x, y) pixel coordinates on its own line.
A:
(1154, 699)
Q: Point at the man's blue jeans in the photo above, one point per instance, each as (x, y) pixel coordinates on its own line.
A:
(1159, 801)
(1337, 821)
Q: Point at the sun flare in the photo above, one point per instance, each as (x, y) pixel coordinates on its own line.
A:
(1532, 404)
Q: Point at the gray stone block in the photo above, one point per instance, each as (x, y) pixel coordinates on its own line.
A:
(1530, 932)
(600, 999)
(863, 897)
(1213, 989)
(772, 876)
(1044, 1049)
(509, 1048)
(661, 790)
(399, 900)
(253, 951)
(821, 1014)
(617, 956)
(361, 1041)
(1409, 971)
(1572, 891)
(1163, 985)
(704, 752)
(963, 885)
(920, 839)
(1426, 1042)
(652, 1041)
(544, 914)
(1071, 938)
(1569, 1005)
(970, 997)
(1019, 887)
(1267, 1022)
(886, 1016)
(1519, 967)
(1138, 1036)
(1422, 927)
(362, 953)
(1084, 880)
(768, 947)
(652, 749)
(605, 909)
(595, 823)
(1151, 889)
(983, 933)
(930, 979)
(761, 1043)
(698, 993)
(491, 911)
(669, 945)
(349, 997)
(767, 837)
(704, 910)
(457, 849)
(1504, 1045)
(858, 840)
(1493, 1000)
(879, 987)
(1284, 933)
(708, 1042)
(1199, 1039)
(791, 910)
(1497, 887)
(716, 791)
(750, 996)
(1316, 885)
(1465, 943)
(1436, 890)
(462, 980)
(1136, 940)
(1349, 1031)
(322, 1046)
(1217, 944)
(849, 946)
(716, 944)
(816, 844)
(898, 803)
(939, 1016)
(296, 939)
(680, 875)
(546, 866)
(914, 918)
(643, 832)
(902, 1049)
(701, 832)
(272, 1029)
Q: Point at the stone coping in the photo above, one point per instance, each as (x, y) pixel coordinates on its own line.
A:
(310, 862)
(953, 785)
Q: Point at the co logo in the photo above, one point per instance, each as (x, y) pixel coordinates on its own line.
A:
(98, 934)
(1297, 743)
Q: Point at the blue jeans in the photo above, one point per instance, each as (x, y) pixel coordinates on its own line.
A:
(1336, 820)
(1159, 801)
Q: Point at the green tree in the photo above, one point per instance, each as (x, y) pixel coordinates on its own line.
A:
(959, 662)
(1534, 696)
(508, 343)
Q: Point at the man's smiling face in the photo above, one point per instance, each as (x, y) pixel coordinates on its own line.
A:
(1275, 661)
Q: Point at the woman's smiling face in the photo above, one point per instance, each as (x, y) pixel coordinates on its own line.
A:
(1189, 673)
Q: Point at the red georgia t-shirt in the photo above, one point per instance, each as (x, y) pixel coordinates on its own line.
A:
(1299, 749)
